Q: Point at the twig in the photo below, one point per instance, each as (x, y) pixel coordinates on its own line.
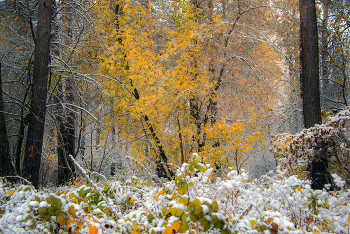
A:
(94, 185)
(29, 183)
(110, 187)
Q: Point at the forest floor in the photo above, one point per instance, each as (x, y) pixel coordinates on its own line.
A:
(195, 202)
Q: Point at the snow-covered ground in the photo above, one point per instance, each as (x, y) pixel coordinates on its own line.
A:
(191, 204)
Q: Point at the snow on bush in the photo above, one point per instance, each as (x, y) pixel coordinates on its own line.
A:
(192, 203)
(295, 153)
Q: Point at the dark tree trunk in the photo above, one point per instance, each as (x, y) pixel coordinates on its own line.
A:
(66, 138)
(319, 169)
(310, 86)
(66, 117)
(163, 169)
(66, 147)
(32, 158)
(6, 167)
(309, 64)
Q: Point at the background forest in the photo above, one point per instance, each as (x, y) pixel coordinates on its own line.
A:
(150, 82)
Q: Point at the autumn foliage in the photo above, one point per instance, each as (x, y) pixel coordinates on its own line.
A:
(181, 76)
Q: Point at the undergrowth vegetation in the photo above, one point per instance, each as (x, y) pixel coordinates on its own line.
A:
(195, 202)
(328, 142)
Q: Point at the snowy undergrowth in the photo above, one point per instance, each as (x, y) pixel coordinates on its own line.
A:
(192, 203)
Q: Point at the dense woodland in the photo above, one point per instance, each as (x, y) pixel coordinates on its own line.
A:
(134, 116)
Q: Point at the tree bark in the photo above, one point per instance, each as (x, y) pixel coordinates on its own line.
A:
(36, 126)
(309, 64)
(66, 118)
(66, 138)
(310, 86)
(6, 167)
(163, 169)
(319, 168)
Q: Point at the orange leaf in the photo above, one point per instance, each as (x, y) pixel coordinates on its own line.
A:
(269, 220)
(176, 225)
(161, 192)
(69, 222)
(93, 230)
(168, 230)
(75, 200)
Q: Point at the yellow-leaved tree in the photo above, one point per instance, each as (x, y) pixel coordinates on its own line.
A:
(180, 79)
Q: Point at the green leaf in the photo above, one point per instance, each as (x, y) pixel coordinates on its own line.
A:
(44, 214)
(164, 210)
(194, 204)
(184, 217)
(216, 222)
(150, 218)
(57, 203)
(205, 223)
(61, 218)
(50, 199)
(52, 210)
(193, 218)
(179, 212)
(106, 210)
(167, 211)
(198, 211)
(182, 190)
(215, 206)
(184, 227)
(43, 210)
(201, 167)
(183, 200)
(72, 211)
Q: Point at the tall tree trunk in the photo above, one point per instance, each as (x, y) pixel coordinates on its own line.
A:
(309, 64)
(163, 169)
(66, 118)
(325, 53)
(66, 141)
(310, 86)
(32, 158)
(6, 167)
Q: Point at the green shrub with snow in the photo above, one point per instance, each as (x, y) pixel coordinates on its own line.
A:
(192, 203)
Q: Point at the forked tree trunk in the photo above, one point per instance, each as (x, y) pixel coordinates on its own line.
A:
(32, 158)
